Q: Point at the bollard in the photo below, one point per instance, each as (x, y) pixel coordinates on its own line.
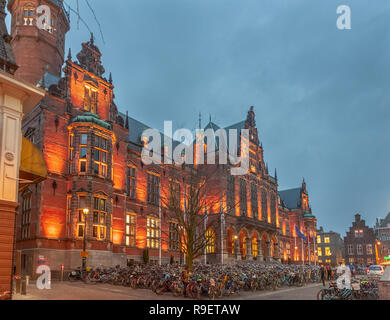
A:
(24, 287)
(27, 281)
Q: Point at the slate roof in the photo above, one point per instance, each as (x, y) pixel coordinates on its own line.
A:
(384, 223)
(291, 197)
(136, 129)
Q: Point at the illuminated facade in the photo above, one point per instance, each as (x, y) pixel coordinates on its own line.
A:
(93, 156)
(295, 211)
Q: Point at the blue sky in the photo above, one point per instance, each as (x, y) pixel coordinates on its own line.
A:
(321, 95)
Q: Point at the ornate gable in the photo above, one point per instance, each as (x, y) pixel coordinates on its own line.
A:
(90, 58)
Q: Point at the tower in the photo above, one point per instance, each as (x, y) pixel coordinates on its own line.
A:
(38, 50)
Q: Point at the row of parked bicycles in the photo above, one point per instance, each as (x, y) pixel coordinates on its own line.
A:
(361, 289)
(205, 281)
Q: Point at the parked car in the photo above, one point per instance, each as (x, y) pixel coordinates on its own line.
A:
(374, 271)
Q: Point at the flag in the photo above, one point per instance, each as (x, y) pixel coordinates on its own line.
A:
(206, 217)
(300, 234)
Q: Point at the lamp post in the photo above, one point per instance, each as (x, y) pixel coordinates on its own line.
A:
(84, 255)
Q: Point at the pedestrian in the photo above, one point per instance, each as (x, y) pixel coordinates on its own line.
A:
(323, 275)
(329, 269)
(185, 277)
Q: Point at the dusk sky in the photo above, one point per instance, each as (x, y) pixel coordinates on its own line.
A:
(321, 95)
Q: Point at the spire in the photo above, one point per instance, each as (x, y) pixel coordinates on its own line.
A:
(70, 54)
(7, 59)
(200, 120)
(110, 78)
(276, 175)
(92, 38)
(127, 120)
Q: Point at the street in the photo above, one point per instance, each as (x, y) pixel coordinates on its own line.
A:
(82, 291)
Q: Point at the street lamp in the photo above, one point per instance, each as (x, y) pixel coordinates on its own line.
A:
(84, 254)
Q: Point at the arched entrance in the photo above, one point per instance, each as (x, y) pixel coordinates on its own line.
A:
(230, 241)
(255, 245)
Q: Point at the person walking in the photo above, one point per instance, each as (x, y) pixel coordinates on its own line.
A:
(323, 275)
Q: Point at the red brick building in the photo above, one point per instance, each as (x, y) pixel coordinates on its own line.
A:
(93, 156)
(360, 243)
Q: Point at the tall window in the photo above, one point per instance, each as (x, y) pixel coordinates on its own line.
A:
(264, 205)
(81, 217)
(243, 198)
(369, 249)
(288, 250)
(319, 250)
(152, 233)
(90, 99)
(255, 247)
(174, 236)
(175, 191)
(350, 249)
(26, 216)
(210, 241)
(327, 240)
(273, 209)
(83, 152)
(231, 198)
(254, 203)
(99, 218)
(28, 16)
(359, 249)
(328, 252)
(318, 239)
(100, 156)
(153, 189)
(131, 182)
(131, 225)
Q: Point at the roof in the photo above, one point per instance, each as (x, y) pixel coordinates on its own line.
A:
(49, 80)
(7, 58)
(88, 117)
(136, 129)
(384, 223)
(291, 198)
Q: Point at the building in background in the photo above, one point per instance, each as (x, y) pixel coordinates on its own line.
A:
(382, 233)
(330, 247)
(360, 243)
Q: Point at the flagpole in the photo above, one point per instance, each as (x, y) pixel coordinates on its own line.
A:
(309, 251)
(303, 253)
(295, 248)
(205, 232)
(159, 231)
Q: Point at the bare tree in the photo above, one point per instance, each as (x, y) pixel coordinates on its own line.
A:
(195, 213)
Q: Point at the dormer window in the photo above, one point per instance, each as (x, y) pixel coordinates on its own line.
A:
(90, 99)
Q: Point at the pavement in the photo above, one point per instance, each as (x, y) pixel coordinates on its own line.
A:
(82, 291)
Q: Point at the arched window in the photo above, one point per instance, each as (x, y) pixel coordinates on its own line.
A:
(210, 241)
(254, 247)
(28, 15)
